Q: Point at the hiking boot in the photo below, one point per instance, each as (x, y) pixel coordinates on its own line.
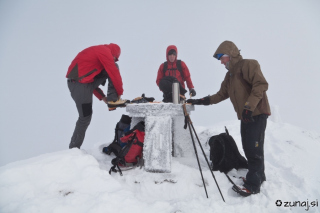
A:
(112, 105)
(112, 108)
(243, 191)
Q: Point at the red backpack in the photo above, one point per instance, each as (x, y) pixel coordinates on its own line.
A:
(131, 154)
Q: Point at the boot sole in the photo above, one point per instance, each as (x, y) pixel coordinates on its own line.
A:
(117, 105)
(240, 192)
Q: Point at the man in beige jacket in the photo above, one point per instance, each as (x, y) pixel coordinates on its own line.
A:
(246, 87)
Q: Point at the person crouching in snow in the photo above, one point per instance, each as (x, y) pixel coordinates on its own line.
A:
(171, 71)
(246, 87)
(89, 69)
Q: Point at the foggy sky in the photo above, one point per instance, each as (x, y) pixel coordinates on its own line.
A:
(39, 39)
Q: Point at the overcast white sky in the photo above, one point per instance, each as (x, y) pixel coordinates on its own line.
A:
(39, 39)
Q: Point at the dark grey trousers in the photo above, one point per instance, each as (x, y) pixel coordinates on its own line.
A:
(252, 135)
(82, 96)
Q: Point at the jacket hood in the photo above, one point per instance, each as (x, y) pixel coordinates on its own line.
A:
(171, 47)
(115, 50)
(229, 48)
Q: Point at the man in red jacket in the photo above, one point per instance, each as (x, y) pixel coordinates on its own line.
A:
(173, 70)
(89, 69)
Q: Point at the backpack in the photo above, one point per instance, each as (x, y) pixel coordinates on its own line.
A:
(131, 154)
(122, 127)
(179, 67)
(142, 99)
(224, 153)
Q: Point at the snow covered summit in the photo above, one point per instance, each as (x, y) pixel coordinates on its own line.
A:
(78, 180)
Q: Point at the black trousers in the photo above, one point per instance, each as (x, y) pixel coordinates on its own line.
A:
(252, 135)
(165, 86)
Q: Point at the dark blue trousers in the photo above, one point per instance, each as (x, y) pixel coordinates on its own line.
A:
(252, 135)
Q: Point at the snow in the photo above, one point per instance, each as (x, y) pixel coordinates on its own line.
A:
(78, 180)
(163, 109)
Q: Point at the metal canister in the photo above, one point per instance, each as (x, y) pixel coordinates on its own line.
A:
(176, 93)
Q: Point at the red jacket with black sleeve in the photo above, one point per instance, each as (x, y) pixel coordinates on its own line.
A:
(91, 61)
(172, 70)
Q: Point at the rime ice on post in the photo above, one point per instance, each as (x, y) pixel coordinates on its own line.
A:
(158, 144)
(163, 130)
(182, 142)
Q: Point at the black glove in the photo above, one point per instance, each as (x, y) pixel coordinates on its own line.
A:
(247, 116)
(201, 101)
(192, 92)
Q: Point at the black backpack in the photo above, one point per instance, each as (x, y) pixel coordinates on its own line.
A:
(224, 153)
(121, 128)
(179, 67)
(142, 99)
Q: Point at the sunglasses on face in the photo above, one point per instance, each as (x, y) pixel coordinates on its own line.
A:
(218, 56)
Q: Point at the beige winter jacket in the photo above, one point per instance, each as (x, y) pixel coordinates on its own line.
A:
(244, 83)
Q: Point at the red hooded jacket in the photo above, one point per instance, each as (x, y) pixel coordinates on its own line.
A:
(172, 70)
(91, 61)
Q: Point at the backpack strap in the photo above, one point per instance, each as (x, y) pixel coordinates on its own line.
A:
(114, 146)
(179, 67)
(116, 137)
(113, 169)
(165, 67)
(234, 147)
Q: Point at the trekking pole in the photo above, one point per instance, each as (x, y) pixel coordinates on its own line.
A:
(195, 150)
(190, 123)
(207, 161)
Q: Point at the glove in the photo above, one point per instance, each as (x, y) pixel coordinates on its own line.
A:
(247, 116)
(192, 92)
(201, 101)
